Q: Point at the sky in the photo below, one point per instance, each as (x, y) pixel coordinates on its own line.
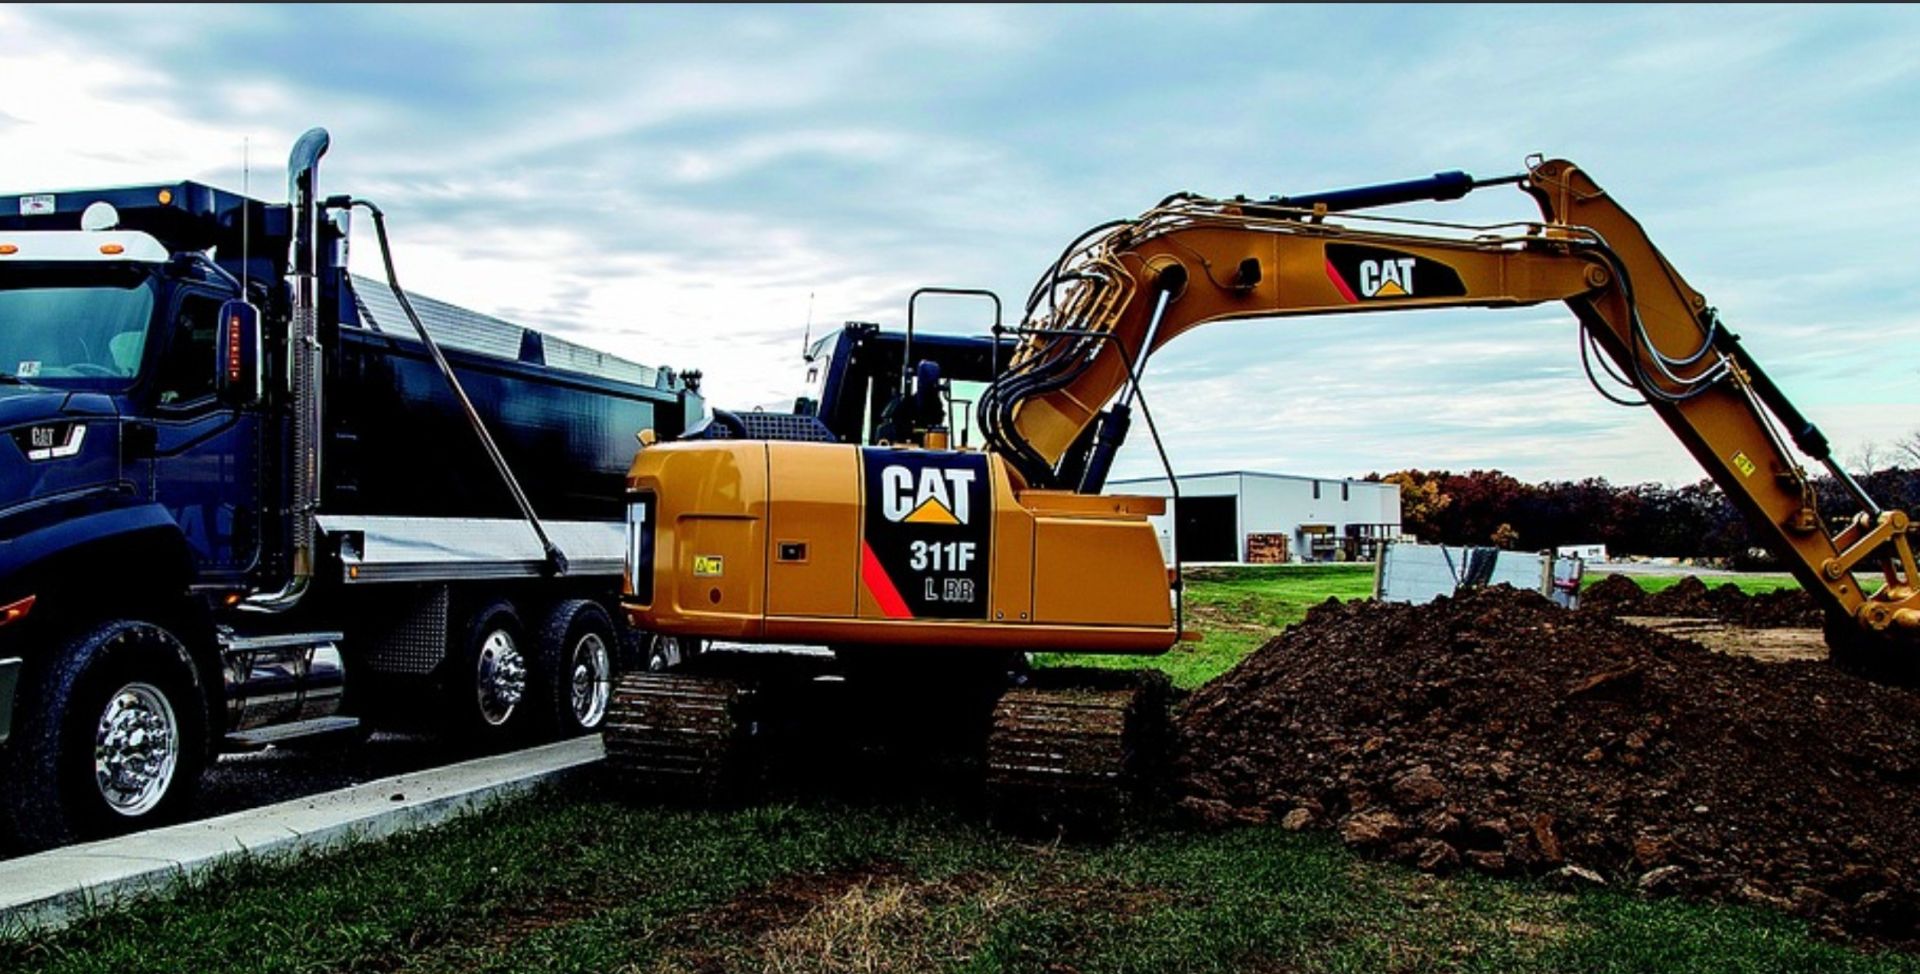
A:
(690, 186)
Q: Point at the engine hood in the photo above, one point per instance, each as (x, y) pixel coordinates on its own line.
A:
(79, 433)
(30, 404)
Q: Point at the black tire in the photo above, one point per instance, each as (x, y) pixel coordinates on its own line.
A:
(83, 756)
(486, 683)
(664, 654)
(574, 668)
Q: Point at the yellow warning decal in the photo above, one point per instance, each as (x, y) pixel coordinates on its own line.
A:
(707, 565)
(1742, 464)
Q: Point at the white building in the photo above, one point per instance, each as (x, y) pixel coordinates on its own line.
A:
(1268, 517)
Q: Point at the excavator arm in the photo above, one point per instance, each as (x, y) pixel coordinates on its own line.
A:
(1126, 289)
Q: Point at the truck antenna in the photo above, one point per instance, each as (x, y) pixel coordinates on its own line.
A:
(806, 339)
(246, 214)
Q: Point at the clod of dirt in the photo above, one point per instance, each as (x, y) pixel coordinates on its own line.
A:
(1496, 731)
(1618, 595)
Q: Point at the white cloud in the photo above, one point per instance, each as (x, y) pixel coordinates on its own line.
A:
(675, 184)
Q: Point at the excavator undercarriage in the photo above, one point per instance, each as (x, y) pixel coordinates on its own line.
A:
(1076, 748)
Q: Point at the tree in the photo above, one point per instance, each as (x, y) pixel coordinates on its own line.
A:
(1421, 501)
(1910, 445)
(1505, 536)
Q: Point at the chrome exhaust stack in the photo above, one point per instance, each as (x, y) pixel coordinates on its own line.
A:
(303, 368)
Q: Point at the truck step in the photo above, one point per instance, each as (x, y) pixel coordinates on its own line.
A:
(255, 739)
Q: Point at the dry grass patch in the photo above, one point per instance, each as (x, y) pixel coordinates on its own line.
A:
(872, 921)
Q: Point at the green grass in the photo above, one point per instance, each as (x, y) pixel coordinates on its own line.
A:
(1236, 610)
(576, 880)
(1752, 584)
(580, 879)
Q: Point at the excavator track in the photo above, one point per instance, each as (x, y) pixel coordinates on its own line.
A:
(677, 736)
(1075, 748)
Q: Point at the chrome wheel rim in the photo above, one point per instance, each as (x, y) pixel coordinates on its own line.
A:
(501, 677)
(136, 749)
(592, 680)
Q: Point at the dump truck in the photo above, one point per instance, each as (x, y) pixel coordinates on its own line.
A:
(246, 496)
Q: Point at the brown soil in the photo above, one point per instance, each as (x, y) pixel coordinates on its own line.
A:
(1495, 731)
(1618, 595)
(1772, 644)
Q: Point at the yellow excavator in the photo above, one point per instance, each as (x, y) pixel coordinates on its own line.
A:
(933, 565)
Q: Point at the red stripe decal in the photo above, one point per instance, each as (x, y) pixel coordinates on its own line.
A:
(1345, 291)
(880, 586)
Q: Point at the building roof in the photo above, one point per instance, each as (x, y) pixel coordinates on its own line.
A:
(1255, 473)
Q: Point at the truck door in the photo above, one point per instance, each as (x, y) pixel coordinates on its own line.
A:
(206, 455)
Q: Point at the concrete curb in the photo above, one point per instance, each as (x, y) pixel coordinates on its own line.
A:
(47, 891)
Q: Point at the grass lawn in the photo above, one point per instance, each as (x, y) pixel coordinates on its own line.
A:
(1752, 584)
(580, 879)
(575, 880)
(1237, 610)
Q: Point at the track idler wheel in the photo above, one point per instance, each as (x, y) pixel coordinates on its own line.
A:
(1077, 749)
(678, 738)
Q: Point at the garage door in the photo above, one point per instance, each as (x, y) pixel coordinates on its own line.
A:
(1205, 526)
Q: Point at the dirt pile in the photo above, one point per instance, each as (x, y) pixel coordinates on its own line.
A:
(1618, 595)
(1495, 731)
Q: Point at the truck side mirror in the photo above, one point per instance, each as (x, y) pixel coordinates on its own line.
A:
(237, 350)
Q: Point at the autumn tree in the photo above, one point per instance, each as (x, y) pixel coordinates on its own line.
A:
(1421, 500)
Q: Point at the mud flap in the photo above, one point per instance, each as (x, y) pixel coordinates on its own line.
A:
(9, 681)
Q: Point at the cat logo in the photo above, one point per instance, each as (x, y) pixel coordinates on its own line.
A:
(930, 495)
(1359, 272)
(1386, 278)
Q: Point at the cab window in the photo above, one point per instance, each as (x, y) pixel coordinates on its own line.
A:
(186, 373)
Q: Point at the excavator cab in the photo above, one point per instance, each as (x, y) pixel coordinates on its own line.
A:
(919, 412)
(854, 378)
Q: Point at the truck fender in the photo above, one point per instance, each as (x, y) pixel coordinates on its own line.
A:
(138, 546)
(123, 562)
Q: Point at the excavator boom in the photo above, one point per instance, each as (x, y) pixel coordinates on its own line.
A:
(1127, 289)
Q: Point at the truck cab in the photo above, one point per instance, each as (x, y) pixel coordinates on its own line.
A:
(109, 396)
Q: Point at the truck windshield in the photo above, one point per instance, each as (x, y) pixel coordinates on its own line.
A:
(74, 326)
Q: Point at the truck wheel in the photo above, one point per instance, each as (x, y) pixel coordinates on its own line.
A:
(573, 672)
(666, 653)
(487, 685)
(114, 737)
